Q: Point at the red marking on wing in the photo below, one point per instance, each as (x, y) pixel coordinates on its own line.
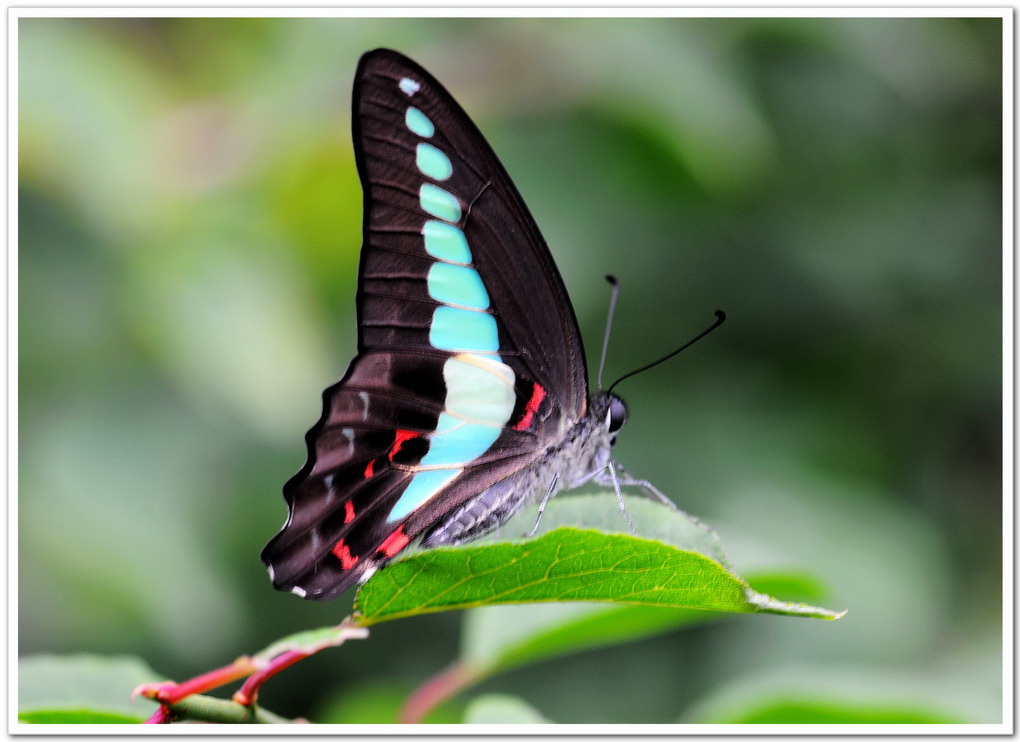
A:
(537, 395)
(342, 552)
(349, 511)
(398, 441)
(394, 542)
(369, 471)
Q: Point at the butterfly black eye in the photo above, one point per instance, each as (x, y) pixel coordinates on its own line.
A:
(617, 415)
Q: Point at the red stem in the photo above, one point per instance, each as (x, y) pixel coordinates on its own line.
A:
(171, 693)
(249, 692)
(162, 716)
(436, 690)
(260, 667)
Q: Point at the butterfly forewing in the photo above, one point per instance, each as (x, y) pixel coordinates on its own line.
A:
(470, 363)
(528, 298)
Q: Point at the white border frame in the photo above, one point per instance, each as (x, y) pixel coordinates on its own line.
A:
(454, 10)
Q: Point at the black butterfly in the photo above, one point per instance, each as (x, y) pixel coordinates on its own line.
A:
(469, 395)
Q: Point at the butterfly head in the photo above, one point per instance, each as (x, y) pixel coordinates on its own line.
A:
(607, 412)
(596, 435)
(616, 416)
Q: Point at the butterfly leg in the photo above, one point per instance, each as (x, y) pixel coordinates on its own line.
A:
(541, 506)
(619, 495)
(649, 488)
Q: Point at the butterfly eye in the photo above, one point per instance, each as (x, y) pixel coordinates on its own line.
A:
(617, 415)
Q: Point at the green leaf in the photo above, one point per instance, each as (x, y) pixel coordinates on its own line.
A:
(497, 638)
(76, 716)
(574, 564)
(82, 689)
(807, 694)
(836, 711)
(496, 708)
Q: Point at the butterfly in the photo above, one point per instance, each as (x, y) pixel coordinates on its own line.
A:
(469, 395)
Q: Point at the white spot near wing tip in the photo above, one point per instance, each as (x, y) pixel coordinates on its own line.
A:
(272, 574)
(367, 574)
(409, 86)
(299, 591)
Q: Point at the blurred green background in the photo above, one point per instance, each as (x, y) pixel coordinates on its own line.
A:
(189, 228)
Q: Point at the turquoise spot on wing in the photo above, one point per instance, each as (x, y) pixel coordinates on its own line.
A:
(447, 423)
(446, 242)
(419, 123)
(478, 389)
(422, 487)
(457, 284)
(439, 203)
(433, 162)
(460, 446)
(463, 330)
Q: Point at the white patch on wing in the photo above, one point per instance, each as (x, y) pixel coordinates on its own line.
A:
(367, 574)
(409, 86)
(364, 401)
(299, 591)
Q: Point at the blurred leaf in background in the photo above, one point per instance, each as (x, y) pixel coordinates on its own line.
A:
(189, 228)
(81, 689)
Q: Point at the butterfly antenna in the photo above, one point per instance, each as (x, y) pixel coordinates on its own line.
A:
(609, 324)
(720, 318)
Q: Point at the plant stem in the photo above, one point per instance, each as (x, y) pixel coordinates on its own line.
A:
(437, 689)
(218, 711)
(176, 698)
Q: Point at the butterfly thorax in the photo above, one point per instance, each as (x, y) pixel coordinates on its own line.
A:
(582, 454)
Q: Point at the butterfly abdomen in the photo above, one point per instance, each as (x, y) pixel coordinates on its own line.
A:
(486, 512)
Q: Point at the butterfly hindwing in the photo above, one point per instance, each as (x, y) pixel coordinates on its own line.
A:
(470, 363)
(377, 428)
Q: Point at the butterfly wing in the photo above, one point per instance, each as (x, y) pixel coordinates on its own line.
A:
(470, 363)
(530, 301)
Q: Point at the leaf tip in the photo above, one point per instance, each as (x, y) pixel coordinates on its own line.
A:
(767, 604)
